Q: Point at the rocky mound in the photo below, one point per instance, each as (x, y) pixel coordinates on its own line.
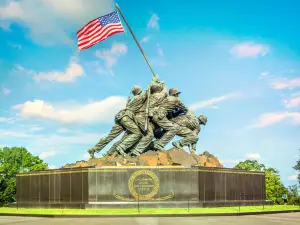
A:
(172, 157)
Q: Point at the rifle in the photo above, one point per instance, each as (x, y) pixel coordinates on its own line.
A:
(128, 100)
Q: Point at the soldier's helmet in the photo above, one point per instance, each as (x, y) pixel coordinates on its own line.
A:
(156, 88)
(174, 91)
(202, 119)
(136, 90)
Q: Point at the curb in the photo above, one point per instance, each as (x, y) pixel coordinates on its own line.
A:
(149, 215)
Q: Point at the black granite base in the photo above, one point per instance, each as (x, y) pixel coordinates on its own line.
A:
(148, 187)
(132, 205)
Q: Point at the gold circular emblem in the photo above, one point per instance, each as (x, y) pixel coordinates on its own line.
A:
(143, 184)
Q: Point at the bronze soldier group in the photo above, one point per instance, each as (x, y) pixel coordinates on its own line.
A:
(156, 113)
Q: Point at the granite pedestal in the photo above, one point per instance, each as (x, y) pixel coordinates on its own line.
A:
(131, 187)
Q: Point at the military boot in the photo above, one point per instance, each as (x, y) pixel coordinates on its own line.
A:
(192, 148)
(134, 153)
(115, 154)
(157, 146)
(91, 152)
(121, 152)
(177, 144)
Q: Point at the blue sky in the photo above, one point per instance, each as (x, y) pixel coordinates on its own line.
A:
(237, 63)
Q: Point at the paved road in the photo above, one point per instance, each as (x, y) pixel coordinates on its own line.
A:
(274, 219)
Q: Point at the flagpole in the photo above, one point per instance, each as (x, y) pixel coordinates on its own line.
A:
(154, 74)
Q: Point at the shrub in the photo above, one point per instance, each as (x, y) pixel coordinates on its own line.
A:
(294, 201)
(279, 201)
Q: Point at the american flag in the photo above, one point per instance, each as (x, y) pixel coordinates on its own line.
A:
(98, 30)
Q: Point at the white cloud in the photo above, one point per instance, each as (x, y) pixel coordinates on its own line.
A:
(4, 119)
(73, 71)
(7, 120)
(145, 39)
(36, 128)
(55, 141)
(110, 56)
(159, 60)
(44, 144)
(254, 156)
(285, 83)
(229, 161)
(99, 111)
(96, 67)
(52, 141)
(43, 18)
(211, 102)
(153, 22)
(268, 119)
(86, 156)
(13, 133)
(249, 50)
(51, 167)
(293, 177)
(45, 155)
(292, 102)
(160, 51)
(63, 130)
(264, 75)
(6, 91)
(23, 71)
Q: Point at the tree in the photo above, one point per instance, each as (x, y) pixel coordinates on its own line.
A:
(12, 161)
(297, 167)
(293, 191)
(274, 185)
(293, 196)
(252, 165)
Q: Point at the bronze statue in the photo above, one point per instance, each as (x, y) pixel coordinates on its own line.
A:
(156, 114)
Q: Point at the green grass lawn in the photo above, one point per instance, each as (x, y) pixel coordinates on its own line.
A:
(148, 211)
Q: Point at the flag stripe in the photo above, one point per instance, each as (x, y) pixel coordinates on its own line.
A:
(87, 26)
(98, 33)
(100, 39)
(89, 29)
(91, 34)
(97, 41)
(107, 33)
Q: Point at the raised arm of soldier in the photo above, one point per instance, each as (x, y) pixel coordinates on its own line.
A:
(138, 100)
(159, 91)
(155, 80)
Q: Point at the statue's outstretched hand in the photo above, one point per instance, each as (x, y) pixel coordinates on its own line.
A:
(155, 79)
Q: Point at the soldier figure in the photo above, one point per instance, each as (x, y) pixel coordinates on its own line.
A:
(160, 106)
(202, 120)
(176, 115)
(124, 120)
(189, 129)
(141, 117)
